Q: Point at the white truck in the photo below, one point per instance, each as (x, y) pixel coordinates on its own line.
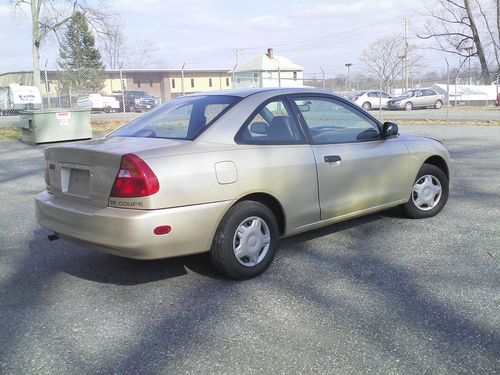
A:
(98, 103)
(16, 97)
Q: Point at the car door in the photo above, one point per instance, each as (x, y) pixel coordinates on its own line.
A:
(430, 97)
(278, 160)
(419, 99)
(374, 99)
(357, 169)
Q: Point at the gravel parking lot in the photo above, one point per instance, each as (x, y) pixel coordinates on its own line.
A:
(376, 295)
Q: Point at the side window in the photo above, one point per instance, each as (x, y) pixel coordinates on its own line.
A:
(373, 94)
(428, 92)
(384, 95)
(212, 110)
(273, 124)
(331, 121)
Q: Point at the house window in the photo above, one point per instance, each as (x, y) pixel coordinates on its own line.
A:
(192, 82)
(227, 81)
(210, 82)
(173, 83)
(294, 76)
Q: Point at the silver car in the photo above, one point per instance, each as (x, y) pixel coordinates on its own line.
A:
(424, 98)
(231, 173)
(371, 99)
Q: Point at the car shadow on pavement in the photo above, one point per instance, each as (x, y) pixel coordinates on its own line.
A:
(89, 264)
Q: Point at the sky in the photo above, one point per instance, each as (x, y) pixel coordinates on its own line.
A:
(204, 34)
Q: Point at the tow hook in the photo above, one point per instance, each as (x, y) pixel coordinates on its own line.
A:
(53, 237)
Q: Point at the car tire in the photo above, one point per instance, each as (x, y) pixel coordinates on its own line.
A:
(429, 193)
(246, 241)
(438, 104)
(409, 106)
(366, 106)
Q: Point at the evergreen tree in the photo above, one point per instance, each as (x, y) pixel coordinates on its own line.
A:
(79, 59)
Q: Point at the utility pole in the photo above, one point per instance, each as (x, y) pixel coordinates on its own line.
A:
(405, 61)
(182, 78)
(447, 88)
(348, 76)
(324, 82)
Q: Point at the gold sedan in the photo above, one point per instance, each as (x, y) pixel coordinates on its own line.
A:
(232, 172)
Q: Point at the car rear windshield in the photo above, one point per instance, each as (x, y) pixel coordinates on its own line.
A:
(180, 118)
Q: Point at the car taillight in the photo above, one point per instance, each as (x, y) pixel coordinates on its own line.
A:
(135, 179)
(356, 97)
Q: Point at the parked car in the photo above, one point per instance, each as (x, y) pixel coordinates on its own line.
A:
(371, 99)
(424, 98)
(231, 173)
(98, 103)
(136, 101)
(16, 97)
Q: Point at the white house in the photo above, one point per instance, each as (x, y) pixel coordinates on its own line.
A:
(269, 70)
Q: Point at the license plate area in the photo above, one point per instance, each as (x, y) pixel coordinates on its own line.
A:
(75, 180)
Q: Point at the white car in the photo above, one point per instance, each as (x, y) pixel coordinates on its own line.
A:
(371, 99)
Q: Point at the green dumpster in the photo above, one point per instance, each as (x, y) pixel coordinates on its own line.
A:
(55, 125)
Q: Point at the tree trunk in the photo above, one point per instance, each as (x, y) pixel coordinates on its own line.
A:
(485, 74)
(35, 13)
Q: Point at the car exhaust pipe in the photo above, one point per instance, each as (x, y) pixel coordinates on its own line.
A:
(53, 237)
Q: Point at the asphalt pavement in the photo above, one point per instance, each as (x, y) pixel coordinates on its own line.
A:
(381, 294)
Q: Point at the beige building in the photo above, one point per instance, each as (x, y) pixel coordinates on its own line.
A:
(162, 83)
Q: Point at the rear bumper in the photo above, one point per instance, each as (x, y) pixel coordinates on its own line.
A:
(128, 232)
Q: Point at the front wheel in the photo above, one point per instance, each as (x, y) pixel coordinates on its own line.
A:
(429, 193)
(246, 241)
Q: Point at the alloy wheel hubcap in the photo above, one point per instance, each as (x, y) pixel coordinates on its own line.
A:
(427, 192)
(251, 241)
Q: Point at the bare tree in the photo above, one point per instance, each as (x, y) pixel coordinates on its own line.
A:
(454, 27)
(114, 46)
(494, 37)
(143, 54)
(50, 16)
(384, 58)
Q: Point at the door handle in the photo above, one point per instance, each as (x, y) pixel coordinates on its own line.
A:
(332, 158)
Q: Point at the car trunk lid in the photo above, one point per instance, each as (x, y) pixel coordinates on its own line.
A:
(85, 172)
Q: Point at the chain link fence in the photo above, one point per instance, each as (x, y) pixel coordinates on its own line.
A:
(464, 96)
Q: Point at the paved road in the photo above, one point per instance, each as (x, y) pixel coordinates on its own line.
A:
(377, 295)
(454, 115)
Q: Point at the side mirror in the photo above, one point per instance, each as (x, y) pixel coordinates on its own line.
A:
(389, 129)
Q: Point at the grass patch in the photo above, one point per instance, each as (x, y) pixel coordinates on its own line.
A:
(13, 133)
(104, 127)
(10, 133)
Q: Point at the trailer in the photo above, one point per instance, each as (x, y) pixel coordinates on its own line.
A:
(16, 97)
(98, 103)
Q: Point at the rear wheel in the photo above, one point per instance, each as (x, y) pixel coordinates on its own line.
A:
(438, 104)
(409, 106)
(366, 106)
(246, 241)
(429, 193)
